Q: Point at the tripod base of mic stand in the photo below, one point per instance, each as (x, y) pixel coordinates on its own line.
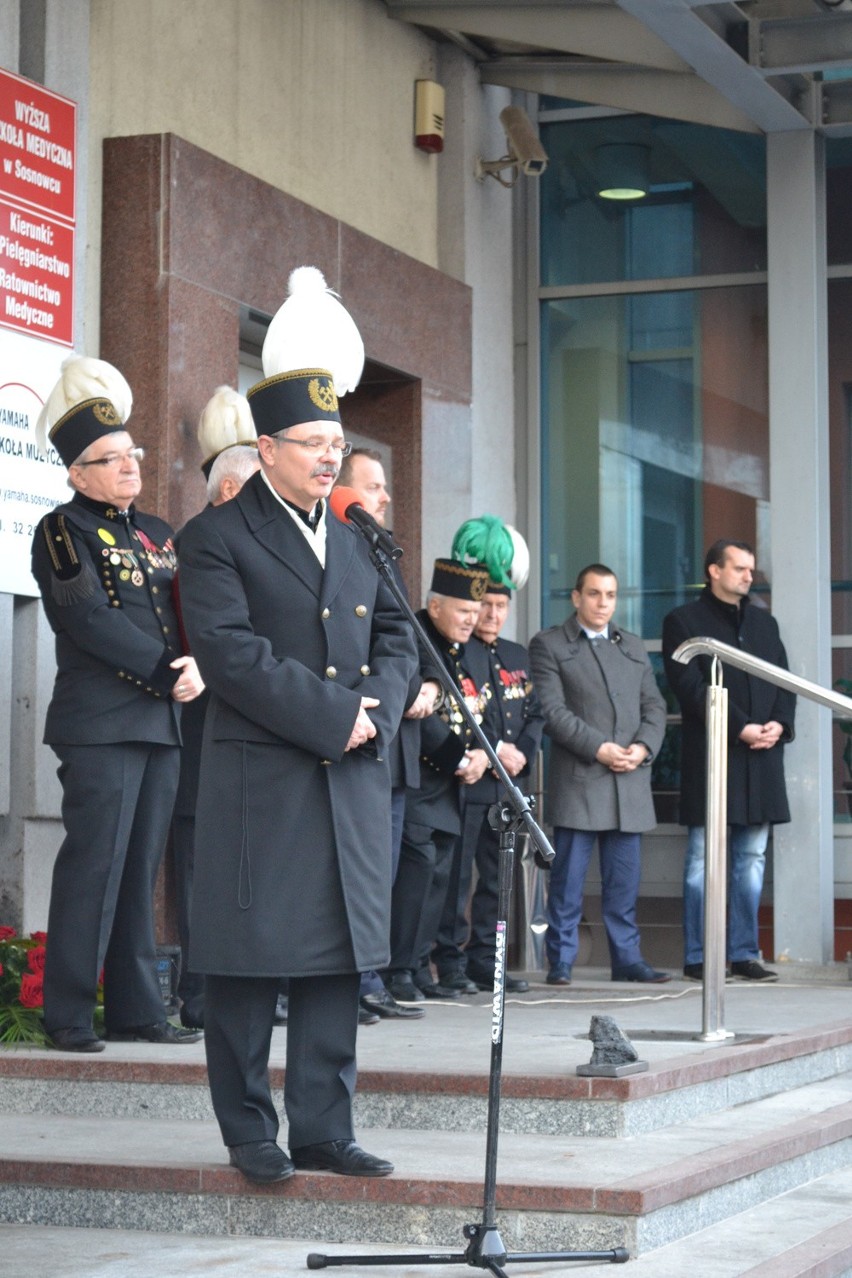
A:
(485, 1250)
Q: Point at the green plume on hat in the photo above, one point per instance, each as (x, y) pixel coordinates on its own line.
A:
(499, 548)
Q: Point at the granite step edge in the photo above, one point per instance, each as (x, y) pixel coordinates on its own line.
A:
(665, 1075)
(669, 1183)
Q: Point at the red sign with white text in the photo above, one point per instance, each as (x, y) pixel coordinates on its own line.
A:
(38, 133)
(36, 274)
(37, 175)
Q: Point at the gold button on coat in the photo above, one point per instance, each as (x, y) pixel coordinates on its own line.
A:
(331, 672)
(325, 614)
(365, 670)
(361, 610)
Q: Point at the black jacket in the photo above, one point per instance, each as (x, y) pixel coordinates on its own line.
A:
(512, 713)
(444, 737)
(293, 841)
(756, 788)
(106, 586)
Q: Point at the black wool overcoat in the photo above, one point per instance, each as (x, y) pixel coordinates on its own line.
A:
(293, 844)
(756, 789)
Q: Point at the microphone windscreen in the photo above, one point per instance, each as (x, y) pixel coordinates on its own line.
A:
(340, 499)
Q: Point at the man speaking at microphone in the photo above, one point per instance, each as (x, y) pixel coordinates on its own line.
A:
(309, 661)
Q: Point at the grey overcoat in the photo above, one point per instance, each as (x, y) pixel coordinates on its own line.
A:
(293, 844)
(592, 693)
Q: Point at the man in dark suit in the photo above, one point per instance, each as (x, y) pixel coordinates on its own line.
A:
(760, 722)
(363, 472)
(308, 661)
(105, 573)
(605, 718)
(432, 821)
(513, 722)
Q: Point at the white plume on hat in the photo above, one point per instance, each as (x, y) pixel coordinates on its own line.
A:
(225, 420)
(313, 330)
(520, 570)
(82, 378)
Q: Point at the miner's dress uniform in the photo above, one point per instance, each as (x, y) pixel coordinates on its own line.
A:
(432, 823)
(293, 841)
(105, 580)
(510, 712)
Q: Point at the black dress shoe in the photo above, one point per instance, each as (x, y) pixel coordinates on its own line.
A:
(402, 988)
(434, 989)
(76, 1039)
(192, 1017)
(456, 978)
(367, 1017)
(511, 984)
(261, 1161)
(282, 1007)
(751, 970)
(559, 974)
(640, 971)
(163, 1032)
(695, 972)
(385, 1005)
(342, 1156)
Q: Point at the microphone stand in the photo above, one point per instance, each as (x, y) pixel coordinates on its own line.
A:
(485, 1248)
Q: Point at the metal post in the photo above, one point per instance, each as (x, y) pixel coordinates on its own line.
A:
(715, 859)
(530, 887)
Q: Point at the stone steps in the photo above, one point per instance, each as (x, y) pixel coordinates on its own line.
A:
(747, 1146)
(680, 1087)
(553, 1191)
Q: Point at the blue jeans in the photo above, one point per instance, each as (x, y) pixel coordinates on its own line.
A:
(747, 862)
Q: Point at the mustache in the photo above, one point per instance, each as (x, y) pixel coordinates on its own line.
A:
(325, 468)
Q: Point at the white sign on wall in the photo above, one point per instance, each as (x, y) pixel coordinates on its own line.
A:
(32, 481)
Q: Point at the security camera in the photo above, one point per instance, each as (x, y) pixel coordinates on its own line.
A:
(526, 154)
(523, 141)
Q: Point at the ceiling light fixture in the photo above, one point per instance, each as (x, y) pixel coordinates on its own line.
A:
(622, 170)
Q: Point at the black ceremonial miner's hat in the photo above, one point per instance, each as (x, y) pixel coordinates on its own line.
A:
(312, 353)
(91, 398)
(302, 395)
(459, 581)
(82, 425)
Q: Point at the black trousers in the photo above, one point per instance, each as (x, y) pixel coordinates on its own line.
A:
(191, 984)
(418, 895)
(319, 1080)
(117, 803)
(458, 943)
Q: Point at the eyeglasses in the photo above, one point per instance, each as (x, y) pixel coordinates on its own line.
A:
(317, 446)
(115, 459)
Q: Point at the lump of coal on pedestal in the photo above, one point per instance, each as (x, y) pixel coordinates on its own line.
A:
(612, 1046)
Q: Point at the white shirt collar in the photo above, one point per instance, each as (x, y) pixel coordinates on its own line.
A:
(315, 538)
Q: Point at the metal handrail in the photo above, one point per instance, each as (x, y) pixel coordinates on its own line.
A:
(715, 838)
(765, 670)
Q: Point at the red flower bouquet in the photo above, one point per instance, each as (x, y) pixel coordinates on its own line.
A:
(21, 978)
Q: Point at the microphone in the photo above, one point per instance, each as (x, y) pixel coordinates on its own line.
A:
(348, 508)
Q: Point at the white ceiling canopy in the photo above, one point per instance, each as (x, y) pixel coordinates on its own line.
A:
(759, 66)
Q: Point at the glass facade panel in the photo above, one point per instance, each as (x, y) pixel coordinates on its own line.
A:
(655, 437)
(840, 466)
(705, 211)
(655, 431)
(838, 190)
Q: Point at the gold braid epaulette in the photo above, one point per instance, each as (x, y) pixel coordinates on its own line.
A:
(72, 580)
